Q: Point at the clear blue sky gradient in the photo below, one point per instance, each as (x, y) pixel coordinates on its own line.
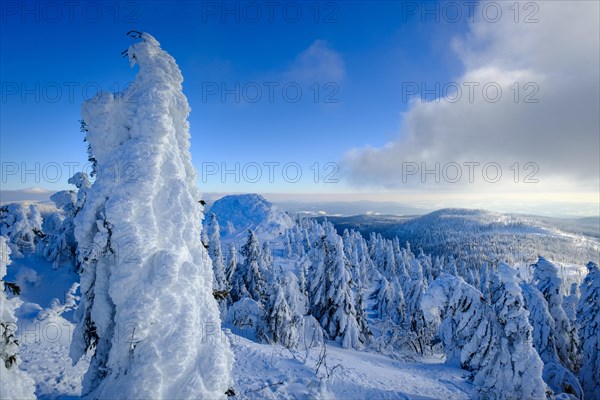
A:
(380, 44)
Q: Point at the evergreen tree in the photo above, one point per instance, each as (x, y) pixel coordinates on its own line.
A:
(390, 303)
(415, 320)
(588, 321)
(280, 319)
(558, 378)
(21, 224)
(230, 272)
(215, 252)
(516, 361)
(15, 384)
(143, 265)
(570, 303)
(332, 300)
(545, 277)
(492, 340)
(250, 278)
(462, 321)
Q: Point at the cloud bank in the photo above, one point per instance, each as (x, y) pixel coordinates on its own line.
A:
(547, 114)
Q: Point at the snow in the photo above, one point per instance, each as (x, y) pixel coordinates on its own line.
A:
(272, 372)
(238, 213)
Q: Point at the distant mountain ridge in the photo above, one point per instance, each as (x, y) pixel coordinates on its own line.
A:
(457, 232)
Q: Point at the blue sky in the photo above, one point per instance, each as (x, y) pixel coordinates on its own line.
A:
(360, 55)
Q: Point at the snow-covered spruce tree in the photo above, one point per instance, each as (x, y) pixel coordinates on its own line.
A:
(484, 283)
(340, 318)
(588, 322)
(215, 252)
(390, 301)
(545, 277)
(352, 250)
(294, 295)
(388, 262)
(147, 310)
(284, 311)
(249, 280)
(462, 320)
(14, 383)
(391, 309)
(21, 224)
(59, 245)
(426, 264)
(230, 271)
(280, 317)
(558, 378)
(317, 285)
(493, 341)
(515, 369)
(570, 303)
(302, 266)
(401, 267)
(450, 267)
(415, 321)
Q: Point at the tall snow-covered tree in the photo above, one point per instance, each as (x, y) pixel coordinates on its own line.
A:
(341, 318)
(484, 283)
(390, 301)
(15, 384)
(558, 378)
(280, 317)
(570, 303)
(545, 277)
(59, 245)
(516, 369)
(294, 295)
(332, 300)
(146, 280)
(462, 320)
(230, 271)
(215, 252)
(415, 288)
(249, 280)
(588, 322)
(492, 340)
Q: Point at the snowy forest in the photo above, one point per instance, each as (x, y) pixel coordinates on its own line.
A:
(128, 288)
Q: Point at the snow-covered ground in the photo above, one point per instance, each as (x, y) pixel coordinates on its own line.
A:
(273, 372)
(262, 371)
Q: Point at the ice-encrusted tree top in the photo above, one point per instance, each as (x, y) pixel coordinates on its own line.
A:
(147, 308)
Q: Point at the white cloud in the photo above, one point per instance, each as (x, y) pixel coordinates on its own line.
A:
(34, 194)
(318, 63)
(559, 55)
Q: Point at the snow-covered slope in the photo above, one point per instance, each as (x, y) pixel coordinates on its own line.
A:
(238, 213)
(273, 372)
